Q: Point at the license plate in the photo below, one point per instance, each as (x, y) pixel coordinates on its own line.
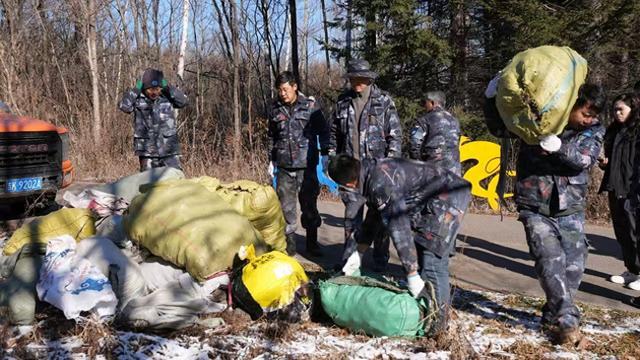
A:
(24, 184)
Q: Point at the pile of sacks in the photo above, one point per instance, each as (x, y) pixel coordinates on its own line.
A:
(156, 251)
(150, 249)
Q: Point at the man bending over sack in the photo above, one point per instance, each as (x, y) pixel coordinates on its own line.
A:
(155, 137)
(421, 207)
(550, 194)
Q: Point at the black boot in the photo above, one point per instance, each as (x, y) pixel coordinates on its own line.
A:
(291, 244)
(313, 248)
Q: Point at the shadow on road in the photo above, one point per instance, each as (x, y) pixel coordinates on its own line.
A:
(604, 245)
(328, 219)
(503, 257)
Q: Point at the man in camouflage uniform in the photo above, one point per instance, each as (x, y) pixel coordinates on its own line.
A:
(435, 137)
(295, 124)
(155, 138)
(419, 204)
(550, 194)
(366, 126)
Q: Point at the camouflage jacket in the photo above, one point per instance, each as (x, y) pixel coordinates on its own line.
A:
(435, 138)
(293, 133)
(556, 184)
(413, 195)
(379, 126)
(154, 132)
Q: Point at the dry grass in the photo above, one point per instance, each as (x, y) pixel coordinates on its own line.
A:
(626, 346)
(523, 302)
(453, 340)
(606, 317)
(526, 350)
(98, 337)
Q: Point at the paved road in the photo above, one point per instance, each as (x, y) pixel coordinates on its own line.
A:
(493, 255)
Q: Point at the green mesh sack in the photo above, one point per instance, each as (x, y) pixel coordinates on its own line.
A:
(377, 308)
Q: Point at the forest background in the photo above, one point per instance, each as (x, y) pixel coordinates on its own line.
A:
(69, 62)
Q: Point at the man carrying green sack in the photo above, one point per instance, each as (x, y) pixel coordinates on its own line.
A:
(421, 207)
(155, 137)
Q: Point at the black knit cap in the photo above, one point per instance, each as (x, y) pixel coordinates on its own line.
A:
(152, 78)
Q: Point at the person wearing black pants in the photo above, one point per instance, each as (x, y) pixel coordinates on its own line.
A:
(618, 164)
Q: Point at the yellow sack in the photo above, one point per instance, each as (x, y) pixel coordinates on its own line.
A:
(538, 89)
(186, 224)
(270, 280)
(258, 203)
(78, 223)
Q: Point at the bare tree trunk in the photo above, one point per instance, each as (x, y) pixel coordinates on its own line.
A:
(264, 9)
(348, 32)
(286, 34)
(156, 29)
(326, 39)
(54, 57)
(295, 62)
(249, 111)
(305, 46)
(92, 56)
(183, 39)
(135, 12)
(459, 75)
(144, 27)
(235, 40)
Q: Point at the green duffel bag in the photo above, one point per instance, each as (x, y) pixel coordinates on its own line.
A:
(377, 308)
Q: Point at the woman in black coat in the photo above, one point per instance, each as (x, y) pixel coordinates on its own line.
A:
(618, 165)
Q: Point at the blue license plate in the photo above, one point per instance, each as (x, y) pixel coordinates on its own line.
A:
(24, 184)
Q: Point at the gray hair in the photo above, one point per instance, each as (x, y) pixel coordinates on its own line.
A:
(437, 97)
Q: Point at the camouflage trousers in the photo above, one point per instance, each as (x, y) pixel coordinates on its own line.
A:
(559, 248)
(149, 162)
(370, 231)
(299, 185)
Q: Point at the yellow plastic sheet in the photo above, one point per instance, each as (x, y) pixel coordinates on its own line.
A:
(272, 279)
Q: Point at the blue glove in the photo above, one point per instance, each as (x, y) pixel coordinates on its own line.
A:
(324, 159)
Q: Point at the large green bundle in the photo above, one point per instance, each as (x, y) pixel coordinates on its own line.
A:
(186, 224)
(374, 307)
(258, 203)
(538, 89)
(79, 223)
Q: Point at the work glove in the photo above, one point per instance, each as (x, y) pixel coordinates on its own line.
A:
(415, 284)
(272, 169)
(352, 267)
(165, 88)
(138, 87)
(550, 143)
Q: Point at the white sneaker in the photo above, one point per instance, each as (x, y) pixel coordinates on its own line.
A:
(625, 278)
(634, 285)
